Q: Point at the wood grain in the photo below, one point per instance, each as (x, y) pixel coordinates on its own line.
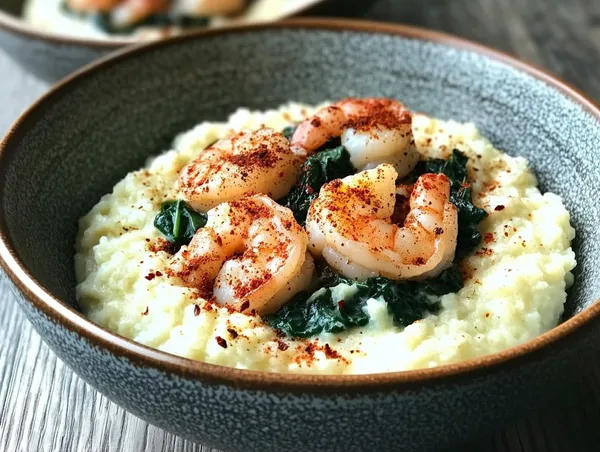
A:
(44, 407)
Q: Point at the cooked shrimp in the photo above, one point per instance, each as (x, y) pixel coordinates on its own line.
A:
(350, 225)
(130, 12)
(205, 8)
(258, 161)
(91, 6)
(374, 131)
(251, 252)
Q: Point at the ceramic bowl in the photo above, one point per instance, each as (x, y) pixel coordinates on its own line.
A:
(51, 56)
(81, 138)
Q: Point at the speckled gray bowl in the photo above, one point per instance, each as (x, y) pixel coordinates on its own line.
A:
(81, 138)
(51, 56)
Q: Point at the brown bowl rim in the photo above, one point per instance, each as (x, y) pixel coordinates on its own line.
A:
(17, 25)
(141, 355)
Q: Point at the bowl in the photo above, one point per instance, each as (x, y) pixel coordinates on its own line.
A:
(83, 136)
(51, 56)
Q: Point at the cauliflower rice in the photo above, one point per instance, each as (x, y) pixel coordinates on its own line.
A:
(515, 283)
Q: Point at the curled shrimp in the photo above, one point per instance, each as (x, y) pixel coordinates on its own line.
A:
(252, 253)
(91, 6)
(373, 131)
(350, 225)
(258, 161)
(205, 8)
(130, 12)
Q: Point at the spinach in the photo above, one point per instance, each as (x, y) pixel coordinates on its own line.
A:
(469, 216)
(178, 222)
(411, 301)
(320, 168)
(288, 132)
(309, 314)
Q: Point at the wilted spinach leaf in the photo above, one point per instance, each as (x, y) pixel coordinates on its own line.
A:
(288, 132)
(309, 314)
(320, 168)
(178, 222)
(411, 301)
(469, 216)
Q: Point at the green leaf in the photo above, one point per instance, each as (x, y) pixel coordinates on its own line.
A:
(288, 132)
(320, 168)
(178, 222)
(411, 301)
(310, 314)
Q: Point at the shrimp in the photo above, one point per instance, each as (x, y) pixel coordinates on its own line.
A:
(350, 225)
(209, 7)
(91, 6)
(258, 161)
(129, 12)
(252, 252)
(373, 131)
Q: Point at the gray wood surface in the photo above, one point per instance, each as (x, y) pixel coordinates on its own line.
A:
(45, 407)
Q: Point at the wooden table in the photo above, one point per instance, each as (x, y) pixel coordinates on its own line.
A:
(45, 407)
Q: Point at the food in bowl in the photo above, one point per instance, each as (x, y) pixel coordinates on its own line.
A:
(318, 239)
(141, 18)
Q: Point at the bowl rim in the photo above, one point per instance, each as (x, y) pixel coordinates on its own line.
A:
(17, 25)
(140, 355)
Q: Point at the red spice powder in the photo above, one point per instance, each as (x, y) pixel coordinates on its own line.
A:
(377, 112)
(232, 333)
(222, 342)
(280, 334)
(331, 353)
(282, 346)
(484, 252)
(162, 245)
(489, 237)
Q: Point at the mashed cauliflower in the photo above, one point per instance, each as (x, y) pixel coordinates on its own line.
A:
(515, 283)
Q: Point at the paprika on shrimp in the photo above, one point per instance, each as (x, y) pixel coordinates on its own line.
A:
(251, 253)
(372, 130)
(258, 161)
(350, 225)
